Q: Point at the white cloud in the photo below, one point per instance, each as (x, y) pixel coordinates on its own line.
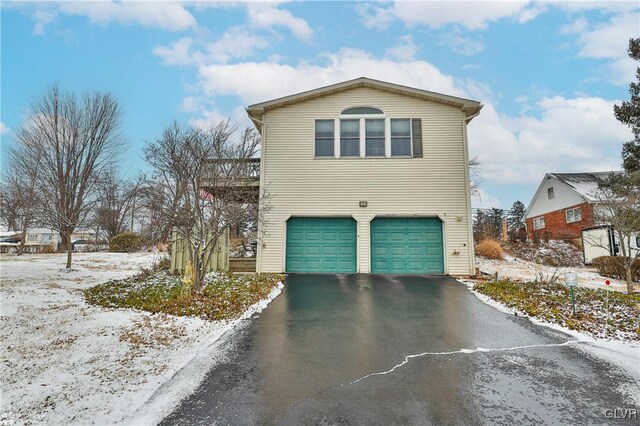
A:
(210, 117)
(575, 27)
(179, 53)
(572, 135)
(405, 49)
(610, 41)
(4, 129)
(462, 45)
(260, 81)
(42, 17)
(164, 15)
(472, 15)
(267, 15)
(483, 200)
(235, 43)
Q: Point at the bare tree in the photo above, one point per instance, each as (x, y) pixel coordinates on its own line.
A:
(618, 205)
(200, 174)
(474, 165)
(21, 193)
(114, 212)
(75, 140)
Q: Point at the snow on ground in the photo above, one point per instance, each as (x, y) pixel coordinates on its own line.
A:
(522, 270)
(623, 354)
(66, 362)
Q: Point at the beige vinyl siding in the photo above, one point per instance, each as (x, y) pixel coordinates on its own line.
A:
(300, 185)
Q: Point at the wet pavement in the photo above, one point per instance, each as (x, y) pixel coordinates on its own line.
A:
(381, 350)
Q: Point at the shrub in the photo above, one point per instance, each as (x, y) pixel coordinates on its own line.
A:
(126, 242)
(490, 249)
(48, 249)
(613, 267)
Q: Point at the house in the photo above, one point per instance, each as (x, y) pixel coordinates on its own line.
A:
(563, 205)
(365, 176)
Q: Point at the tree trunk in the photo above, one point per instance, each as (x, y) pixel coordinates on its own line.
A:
(23, 240)
(69, 249)
(629, 279)
(197, 271)
(63, 242)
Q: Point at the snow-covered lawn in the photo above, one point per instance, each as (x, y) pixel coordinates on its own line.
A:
(66, 362)
(522, 270)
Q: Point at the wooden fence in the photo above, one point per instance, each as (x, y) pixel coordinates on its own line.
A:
(218, 256)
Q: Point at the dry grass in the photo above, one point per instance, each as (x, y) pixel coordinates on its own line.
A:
(490, 249)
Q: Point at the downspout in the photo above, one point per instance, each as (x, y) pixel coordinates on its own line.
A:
(467, 174)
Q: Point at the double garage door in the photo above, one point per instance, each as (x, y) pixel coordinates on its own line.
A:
(398, 245)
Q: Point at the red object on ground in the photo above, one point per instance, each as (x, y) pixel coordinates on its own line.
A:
(607, 282)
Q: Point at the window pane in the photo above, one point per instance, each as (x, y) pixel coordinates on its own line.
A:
(324, 148)
(324, 138)
(375, 147)
(374, 138)
(577, 215)
(349, 128)
(375, 128)
(349, 148)
(400, 146)
(400, 127)
(349, 138)
(362, 110)
(400, 137)
(324, 128)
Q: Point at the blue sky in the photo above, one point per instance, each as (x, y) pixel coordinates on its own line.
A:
(547, 72)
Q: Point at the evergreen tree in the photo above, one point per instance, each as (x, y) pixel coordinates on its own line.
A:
(629, 113)
(515, 220)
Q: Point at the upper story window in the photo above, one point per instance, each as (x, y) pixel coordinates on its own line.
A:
(349, 138)
(400, 137)
(573, 215)
(324, 138)
(366, 132)
(538, 222)
(374, 138)
(550, 194)
(362, 111)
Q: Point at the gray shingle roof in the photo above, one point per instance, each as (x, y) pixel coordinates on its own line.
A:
(585, 184)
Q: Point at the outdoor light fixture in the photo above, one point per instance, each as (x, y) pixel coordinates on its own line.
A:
(363, 204)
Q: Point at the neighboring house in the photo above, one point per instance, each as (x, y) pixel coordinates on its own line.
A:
(365, 176)
(39, 239)
(563, 205)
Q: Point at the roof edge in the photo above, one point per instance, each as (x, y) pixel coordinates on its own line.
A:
(470, 107)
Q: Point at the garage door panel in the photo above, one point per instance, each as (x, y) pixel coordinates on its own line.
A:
(407, 245)
(326, 245)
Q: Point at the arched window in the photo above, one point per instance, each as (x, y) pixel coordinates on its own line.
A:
(362, 110)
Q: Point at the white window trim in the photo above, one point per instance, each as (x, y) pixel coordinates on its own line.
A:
(410, 139)
(573, 210)
(315, 157)
(362, 135)
(535, 222)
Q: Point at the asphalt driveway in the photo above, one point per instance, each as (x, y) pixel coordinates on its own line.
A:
(367, 349)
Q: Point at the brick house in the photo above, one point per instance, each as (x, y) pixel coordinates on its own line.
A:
(563, 205)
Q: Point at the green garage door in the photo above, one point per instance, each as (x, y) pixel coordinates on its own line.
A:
(407, 246)
(321, 244)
